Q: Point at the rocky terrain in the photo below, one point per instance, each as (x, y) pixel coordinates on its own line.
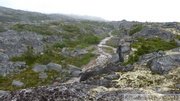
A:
(82, 60)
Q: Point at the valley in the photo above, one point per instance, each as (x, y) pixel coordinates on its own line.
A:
(61, 57)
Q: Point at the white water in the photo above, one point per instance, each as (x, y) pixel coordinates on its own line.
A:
(100, 60)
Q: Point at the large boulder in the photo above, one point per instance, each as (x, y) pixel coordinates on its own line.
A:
(39, 68)
(11, 67)
(54, 66)
(164, 64)
(144, 59)
(74, 71)
(17, 83)
(153, 33)
(123, 50)
(114, 59)
(109, 68)
(112, 76)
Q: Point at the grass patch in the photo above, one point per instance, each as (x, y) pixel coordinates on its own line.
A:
(43, 29)
(31, 57)
(30, 79)
(91, 39)
(82, 42)
(117, 32)
(145, 46)
(91, 49)
(59, 45)
(112, 43)
(2, 29)
(80, 60)
(70, 28)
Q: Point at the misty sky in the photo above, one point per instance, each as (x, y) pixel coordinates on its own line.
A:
(132, 10)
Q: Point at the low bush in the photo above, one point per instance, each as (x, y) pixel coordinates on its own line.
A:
(117, 32)
(112, 43)
(178, 37)
(135, 28)
(145, 46)
(91, 39)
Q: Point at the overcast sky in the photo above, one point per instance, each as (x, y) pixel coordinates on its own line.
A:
(132, 10)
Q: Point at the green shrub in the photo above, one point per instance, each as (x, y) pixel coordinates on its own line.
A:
(2, 29)
(112, 43)
(2, 79)
(70, 28)
(117, 32)
(91, 39)
(80, 59)
(178, 37)
(145, 46)
(135, 28)
(43, 29)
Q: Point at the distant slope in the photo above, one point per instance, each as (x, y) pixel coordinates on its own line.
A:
(8, 14)
(92, 18)
(75, 17)
(12, 15)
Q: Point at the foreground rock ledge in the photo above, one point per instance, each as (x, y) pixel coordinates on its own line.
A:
(70, 92)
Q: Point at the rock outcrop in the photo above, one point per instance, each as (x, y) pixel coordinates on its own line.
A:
(12, 67)
(39, 68)
(153, 33)
(75, 92)
(164, 64)
(169, 60)
(109, 68)
(14, 43)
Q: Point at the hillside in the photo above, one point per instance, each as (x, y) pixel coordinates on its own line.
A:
(62, 57)
(11, 15)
